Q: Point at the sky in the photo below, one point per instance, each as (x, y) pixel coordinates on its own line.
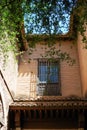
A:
(54, 23)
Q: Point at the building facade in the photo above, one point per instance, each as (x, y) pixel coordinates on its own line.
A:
(45, 93)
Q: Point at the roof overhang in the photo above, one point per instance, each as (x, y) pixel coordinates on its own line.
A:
(49, 104)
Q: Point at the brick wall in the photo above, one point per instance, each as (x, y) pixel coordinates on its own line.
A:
(70, 75)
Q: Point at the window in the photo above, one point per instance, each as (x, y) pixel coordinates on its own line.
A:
(48, 72)
(48, 77)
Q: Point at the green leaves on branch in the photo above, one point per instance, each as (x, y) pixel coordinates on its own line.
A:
(10, 18)
(80, 14)
(47, 17)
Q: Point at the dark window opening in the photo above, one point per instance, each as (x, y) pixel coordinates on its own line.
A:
(48, 72)
(48, 78)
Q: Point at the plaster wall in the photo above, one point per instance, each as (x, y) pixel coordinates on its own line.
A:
(8, 79)
(10, 71)
(6, 100)
(82, 51)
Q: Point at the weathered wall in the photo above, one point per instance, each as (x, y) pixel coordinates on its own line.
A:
(10, 71)
(70, 75)
(8, 79)
(6, 100)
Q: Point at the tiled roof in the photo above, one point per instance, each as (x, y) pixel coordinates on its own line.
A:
(50, 98)
(50, 102)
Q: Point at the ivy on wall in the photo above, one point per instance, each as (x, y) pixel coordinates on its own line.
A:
(44, 15)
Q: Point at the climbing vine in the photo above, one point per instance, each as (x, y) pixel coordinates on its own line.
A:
(39, 17)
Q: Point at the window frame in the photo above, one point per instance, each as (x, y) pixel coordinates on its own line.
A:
(44, 85)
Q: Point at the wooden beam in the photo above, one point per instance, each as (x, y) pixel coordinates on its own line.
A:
(17, 120)
(81, 120)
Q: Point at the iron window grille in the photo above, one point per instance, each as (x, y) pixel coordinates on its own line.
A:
(48, 77)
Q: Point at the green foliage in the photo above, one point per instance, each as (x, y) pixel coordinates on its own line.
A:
(80, 14)
(10, 18)
(46, 18)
